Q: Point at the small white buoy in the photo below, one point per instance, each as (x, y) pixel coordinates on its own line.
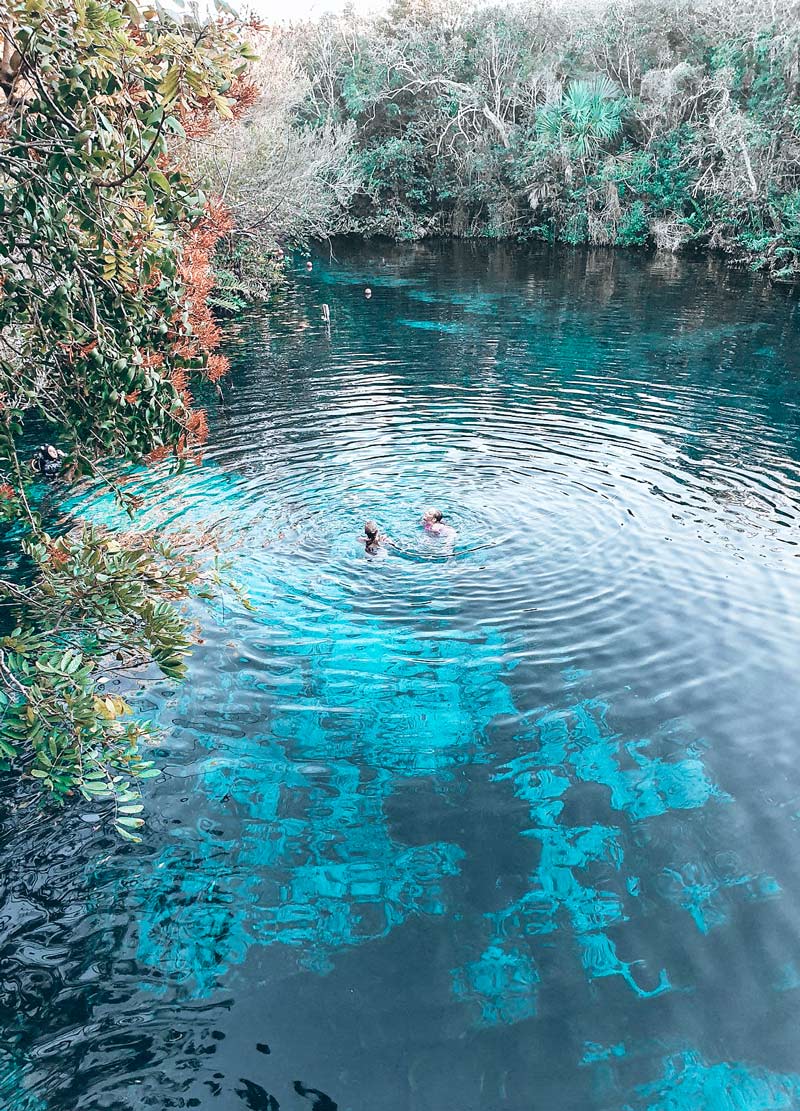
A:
(309, 265)
(368, 293)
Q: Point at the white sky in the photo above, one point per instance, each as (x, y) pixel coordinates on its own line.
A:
(286, 10)
(282, 10)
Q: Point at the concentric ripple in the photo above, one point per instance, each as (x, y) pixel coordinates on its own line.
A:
(489, 821)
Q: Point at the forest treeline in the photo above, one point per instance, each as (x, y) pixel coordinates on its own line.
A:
(665, 123)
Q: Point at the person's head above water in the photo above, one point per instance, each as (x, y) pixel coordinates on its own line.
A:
(371, 529)
(47, 460)
(432, 516)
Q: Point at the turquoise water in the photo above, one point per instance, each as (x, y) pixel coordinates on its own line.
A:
(504, 823)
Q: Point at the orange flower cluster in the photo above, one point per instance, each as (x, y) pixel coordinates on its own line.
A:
(244, 93)
(180, 380)
(57, 553)
(197, 425)
(155, 278)
(217, 367)
(196, 434)
(198, 281)
(198, 120)
(7, 493)
(72, 349)
(202, 116)
(184, 348)
(198, 342)
(157, 455)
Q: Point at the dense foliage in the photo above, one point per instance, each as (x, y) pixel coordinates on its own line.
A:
(665, 122)
(104, 278)
(283, 182)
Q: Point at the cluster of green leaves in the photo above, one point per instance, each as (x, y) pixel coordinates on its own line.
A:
(394, 173)
(98, 338)
(231, 293)
(660, 122)
(92, 209)
(585, 119)
(243, 273)
(95, 609)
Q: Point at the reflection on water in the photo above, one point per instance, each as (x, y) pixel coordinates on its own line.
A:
(499, 824)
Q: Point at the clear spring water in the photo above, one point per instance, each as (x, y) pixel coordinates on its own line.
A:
(506, 827)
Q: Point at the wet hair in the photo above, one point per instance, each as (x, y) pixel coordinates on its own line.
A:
(46, 460)
(433, 515)
(371, 529)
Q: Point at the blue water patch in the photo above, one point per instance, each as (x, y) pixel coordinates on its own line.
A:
(425, 296)
(689, 1083)
(314, 866)
(504, 821)
(363, 279)
(317, 884)
(444, 326)
(595, 1052)
(696, 890)
(14, 1095)
(480, 304)
(502, 981)
(562, 750)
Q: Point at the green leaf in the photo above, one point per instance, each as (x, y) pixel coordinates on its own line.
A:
(133, 13)
(223, 106)
(96, 788)
(158, 180)
(169, 86)
(173, 124)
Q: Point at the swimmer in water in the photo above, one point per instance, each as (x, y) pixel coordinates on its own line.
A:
(433, 523)
(373, 540)
(47, 460)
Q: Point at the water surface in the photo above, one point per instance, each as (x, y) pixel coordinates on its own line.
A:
(510, 823)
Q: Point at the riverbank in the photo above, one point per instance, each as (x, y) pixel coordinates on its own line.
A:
(668, 125)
